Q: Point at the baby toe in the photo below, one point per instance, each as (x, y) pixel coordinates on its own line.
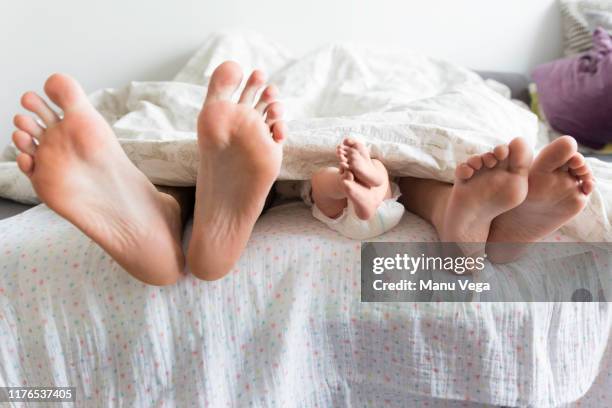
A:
(362, 149)
(352, 154)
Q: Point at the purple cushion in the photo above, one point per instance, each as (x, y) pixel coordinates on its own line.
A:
(576, 93)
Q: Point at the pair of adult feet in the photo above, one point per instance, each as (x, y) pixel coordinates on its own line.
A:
(79, 170)
(506, 196)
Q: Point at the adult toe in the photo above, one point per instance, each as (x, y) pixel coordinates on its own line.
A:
(556, 154)
(489, 160)
(24, 142)
(255, 81)
(25, 162)
(28, 124)
(274, 113)
(37, 105)
(267, 97)
(65, 92)
(224, 81)
(464, 171)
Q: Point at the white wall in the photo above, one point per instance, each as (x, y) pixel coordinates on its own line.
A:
(107, 43)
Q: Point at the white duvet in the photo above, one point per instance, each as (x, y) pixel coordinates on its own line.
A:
(420, 116)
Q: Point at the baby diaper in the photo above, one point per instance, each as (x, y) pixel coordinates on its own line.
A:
(387, 216)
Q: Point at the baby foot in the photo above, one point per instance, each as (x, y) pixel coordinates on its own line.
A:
(486, 185)
(559, 185)
(79, 170)
(354, 156)
(365, 200)
(240, 157)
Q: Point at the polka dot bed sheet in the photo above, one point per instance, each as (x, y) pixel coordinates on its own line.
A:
(285, 328)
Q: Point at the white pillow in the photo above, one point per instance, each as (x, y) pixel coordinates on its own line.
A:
(580, 18)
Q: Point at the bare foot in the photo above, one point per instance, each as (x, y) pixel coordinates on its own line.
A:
(355, 156)
(559, 185)
(365, 200)
(486, 186)
(240, 157)
(365, 181)
(79, 170)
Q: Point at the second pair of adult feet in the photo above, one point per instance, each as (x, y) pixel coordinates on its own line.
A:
(80, 171)
(505, 196)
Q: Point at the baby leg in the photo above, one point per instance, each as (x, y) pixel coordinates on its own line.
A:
(328, 191)
(332, 189)
(367, 199)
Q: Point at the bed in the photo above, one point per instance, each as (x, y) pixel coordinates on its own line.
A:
(285, 328)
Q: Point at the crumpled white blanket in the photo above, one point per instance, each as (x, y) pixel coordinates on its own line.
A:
(419, 115)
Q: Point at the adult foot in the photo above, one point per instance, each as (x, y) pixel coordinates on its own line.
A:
(354, 156)
(79, 170)
(240, 157)
(485, 186)
(559, 185)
